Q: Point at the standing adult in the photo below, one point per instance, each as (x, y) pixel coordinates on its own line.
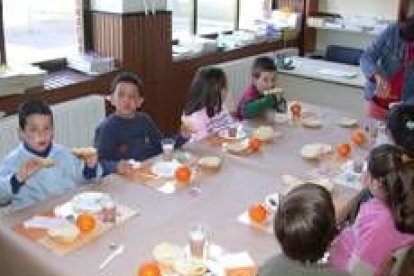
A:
(388, 64)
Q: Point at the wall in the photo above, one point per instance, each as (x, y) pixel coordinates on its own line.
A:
(384, 9)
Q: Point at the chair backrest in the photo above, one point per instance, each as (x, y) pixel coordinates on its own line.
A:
(342, 54)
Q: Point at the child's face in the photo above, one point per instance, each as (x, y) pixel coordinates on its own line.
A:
(38, 132)
(126, 99)
(266, 81)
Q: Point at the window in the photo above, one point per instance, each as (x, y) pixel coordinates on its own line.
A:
(212, 16)
(39, 30)
(250, 11)
(182, 17)
(216, 16)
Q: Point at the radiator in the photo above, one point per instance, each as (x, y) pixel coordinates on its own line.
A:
(74, 121)
(238, 74)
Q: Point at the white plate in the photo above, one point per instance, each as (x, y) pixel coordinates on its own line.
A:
(88, 202)
(240, 134)
(272, 201)
(165, 169)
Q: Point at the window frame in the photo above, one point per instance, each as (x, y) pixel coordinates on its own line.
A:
(54, 64)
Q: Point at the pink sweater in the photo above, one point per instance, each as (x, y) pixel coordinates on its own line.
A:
(203, 126)
(369, 241)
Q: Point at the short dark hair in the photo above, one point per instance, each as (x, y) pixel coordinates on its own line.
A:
(305, 223)
(128, 77)
(206, 91)
(33, 107)
(400, 123)
(263, 64)
(407, 29)
(384, 159)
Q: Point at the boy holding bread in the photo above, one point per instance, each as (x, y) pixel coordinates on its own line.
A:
(38, 168)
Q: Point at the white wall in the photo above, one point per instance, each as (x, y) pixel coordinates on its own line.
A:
(386, 9)
(381, 9)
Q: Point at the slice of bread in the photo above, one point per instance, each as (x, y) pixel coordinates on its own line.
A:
(84, 152)
(66, 233)
(46, 162)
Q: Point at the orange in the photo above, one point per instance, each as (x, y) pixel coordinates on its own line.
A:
(343, 150)
(295, 109)
(254, 144)
(358, 137)
(182, 174)
(258, 213)
(149, 269)
(85, 222)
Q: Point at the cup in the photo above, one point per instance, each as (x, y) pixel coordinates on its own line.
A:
(109, 211)
(167, 149)
(198, 241)
(232, 131)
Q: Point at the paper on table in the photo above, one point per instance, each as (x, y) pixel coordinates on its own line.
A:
(42, 222)
(267, 226)
(167, 188)
(337, 73)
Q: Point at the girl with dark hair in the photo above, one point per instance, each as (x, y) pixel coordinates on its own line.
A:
(204, 111)
(386, 222)
(388, 64)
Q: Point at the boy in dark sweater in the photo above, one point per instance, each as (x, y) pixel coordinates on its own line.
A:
(128, 133)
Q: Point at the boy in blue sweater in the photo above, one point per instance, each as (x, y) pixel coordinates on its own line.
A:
(39, 168)
(128, 133)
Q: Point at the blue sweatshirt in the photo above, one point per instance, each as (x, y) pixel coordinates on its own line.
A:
(67, 173)
(118, 138)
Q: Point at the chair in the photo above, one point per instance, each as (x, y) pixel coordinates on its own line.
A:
(342, 54)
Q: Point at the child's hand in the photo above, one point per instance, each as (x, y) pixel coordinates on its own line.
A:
(29, 168)
(91, 160)
(186, 130)
(124, 168)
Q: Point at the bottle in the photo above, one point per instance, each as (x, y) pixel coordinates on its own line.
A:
(382, 137)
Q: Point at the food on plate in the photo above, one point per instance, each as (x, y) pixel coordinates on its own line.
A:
(46, 162)
(210, 162)
(85, 222)
(348, 122)
(254, 144)
(237, 147)
(311, 122)
(190, 266)
(343, 150)
(264, 133)
(166, 254)
(291, 181)
(84, 152)
(182, 174)
(359, 137)
(315, 150)
(66, 233)
(149, 269)
(258, 213)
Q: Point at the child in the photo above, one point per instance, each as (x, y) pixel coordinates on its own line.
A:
(204, 112)
(385, 222)
(400, 131)
(253, 102)
(39, 168)
(127, 134)
(304, 225)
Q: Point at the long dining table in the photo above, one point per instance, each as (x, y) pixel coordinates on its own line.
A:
(215, 200)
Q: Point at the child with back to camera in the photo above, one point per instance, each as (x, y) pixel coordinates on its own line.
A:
(383, 224)
(305, 226)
